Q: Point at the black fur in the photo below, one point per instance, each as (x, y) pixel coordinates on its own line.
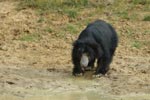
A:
(99, 39)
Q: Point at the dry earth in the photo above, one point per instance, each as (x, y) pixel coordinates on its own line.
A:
(41, 70)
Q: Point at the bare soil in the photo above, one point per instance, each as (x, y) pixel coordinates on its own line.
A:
(41, 69)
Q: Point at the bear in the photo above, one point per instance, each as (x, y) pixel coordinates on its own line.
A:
(98, 41)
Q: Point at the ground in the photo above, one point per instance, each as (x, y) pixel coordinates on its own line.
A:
(35, 62)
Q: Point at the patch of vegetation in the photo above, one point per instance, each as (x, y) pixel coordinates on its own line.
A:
(146, 32)
(123, 14)
(59, 34)
(146, 18)
(41, 19)
(57, 5)
(76, 3)
(40, 4)
(68, 7)
(134, 16)
(72, 13)
(48, 29)
(71, 28)
(137, 44)
(67, 29)
(129, 32)
(53, 4)
(143, 2)
(30, 37)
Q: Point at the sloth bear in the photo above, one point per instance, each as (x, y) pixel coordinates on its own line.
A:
(98, 41)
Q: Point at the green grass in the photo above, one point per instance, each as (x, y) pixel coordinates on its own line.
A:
(53, 4)
(146, 18)
(72, 29)
(129, 32)
(123, 15)
(143, 2)
(67, 29)
(40, 4)
(72, 13)
(60, 34)
(70, 7)
(137, 44)
(76, 9)
(48, 29)
(30, 37)
(147, 32)
(41, 19)
(76, 3)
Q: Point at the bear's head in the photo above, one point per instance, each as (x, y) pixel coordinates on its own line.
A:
(84, 52)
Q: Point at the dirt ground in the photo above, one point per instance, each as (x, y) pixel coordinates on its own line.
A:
(41, 70)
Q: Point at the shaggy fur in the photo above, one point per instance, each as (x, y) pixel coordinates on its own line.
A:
(99, 41)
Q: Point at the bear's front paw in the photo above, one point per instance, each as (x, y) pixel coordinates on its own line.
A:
(78, 74)
(97, 75)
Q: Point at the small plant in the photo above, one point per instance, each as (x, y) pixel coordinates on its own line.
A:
(76, 3)
(60, 34)
(30, 37)
(143, 2)
(49, 30)
(41, 4)
(147, 32)
(82, 2)
(71, 13)
(129, 32)
(146, 18)
(134, 16)
(136, 44)
(71, 28)
(41, 19)
(123, 14)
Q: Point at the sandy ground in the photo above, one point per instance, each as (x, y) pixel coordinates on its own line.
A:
(42, 70)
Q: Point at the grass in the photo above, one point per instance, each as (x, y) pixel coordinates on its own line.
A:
(40, 4)
(71, 28)
(67, 29)
(146, 18)
(123, 15)
(41, 19)
(146, 32)
(72, 13)
(129, 32)
(30, 37)
(69, 7)
(53, 4)
(60, 6)
(60, 35)
(74, 9)
(76, 3)
(137, 44)
(48, 29)
(143, 2)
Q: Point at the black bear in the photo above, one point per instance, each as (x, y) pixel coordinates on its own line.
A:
(97, 41)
